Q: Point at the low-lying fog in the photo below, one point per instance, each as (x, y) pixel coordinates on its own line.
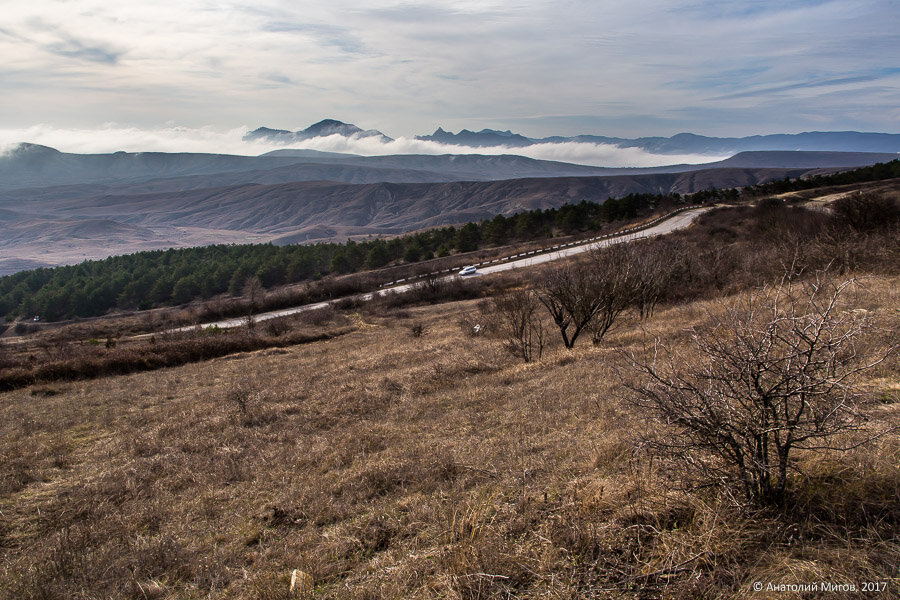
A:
(113, 138)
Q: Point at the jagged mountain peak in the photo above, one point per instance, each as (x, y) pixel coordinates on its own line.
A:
(483, 138)
(327, 127)
(323, 128)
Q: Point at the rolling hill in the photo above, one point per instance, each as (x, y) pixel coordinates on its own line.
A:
(61, 208)
(70, 224)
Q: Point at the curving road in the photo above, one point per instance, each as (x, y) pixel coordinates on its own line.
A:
(679, 221)
(663, 227)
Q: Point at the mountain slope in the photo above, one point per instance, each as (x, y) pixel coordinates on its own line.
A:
(47, 173)
(377, 207)
(689, 143)
(31, 165)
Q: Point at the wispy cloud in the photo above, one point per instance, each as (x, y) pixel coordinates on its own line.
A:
(70, 47)
(751, 67)
(818, 83)
(329, 35)
(56, 40)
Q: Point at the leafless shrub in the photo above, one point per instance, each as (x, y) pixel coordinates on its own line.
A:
(653, 273)
(217, 308)
(318, 316)
(776, 375)
(417, 330)
(569, 295)
(242, 396)
(478, 322)
(249, 402)
(867, 211)
(277, 326)
(56, 348)
(432, 285)
(6, 356)
(517, 319)
(616, 274)
(349, 304)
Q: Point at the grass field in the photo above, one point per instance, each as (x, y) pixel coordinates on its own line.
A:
(409, 458)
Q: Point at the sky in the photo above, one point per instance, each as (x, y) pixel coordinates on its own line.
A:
(86, 75)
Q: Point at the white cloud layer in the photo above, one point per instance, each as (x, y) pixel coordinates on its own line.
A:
(112, 138)
(616, 67)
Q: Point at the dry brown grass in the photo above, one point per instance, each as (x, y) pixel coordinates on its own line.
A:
(65, 356)
(393, 465)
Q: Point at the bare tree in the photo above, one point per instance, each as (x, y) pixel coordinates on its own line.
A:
(652, 273)
(593, 294)
(569, 295)
(253, 291)
(776, 375)
(614, 272)
(432, 284)
(519, 323)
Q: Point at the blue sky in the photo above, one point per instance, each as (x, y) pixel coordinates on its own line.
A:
(607, 67)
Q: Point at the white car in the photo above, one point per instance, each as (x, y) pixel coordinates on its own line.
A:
(470, 270)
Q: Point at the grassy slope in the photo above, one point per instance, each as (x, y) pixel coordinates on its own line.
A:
(388, 465)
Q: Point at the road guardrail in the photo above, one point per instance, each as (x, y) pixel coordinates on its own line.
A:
(549, 249)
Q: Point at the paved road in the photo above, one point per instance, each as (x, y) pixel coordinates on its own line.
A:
(678, 221)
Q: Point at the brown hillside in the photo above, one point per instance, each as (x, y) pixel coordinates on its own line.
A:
(388, 464)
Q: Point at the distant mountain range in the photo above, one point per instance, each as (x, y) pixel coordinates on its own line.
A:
(682, 143)
(310, 210)
(62, 208)
(689, 143)
(34, 166)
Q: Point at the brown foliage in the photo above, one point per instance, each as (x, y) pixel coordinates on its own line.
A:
(868, 211)
(66, 360)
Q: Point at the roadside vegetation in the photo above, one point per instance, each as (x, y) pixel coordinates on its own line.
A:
(93, 350)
